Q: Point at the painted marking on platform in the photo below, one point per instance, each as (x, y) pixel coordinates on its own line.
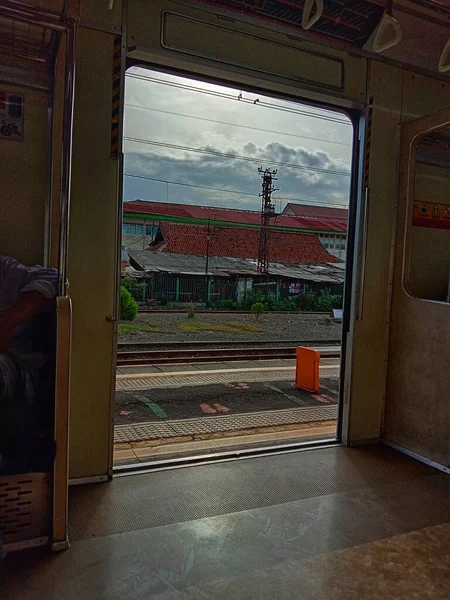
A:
(294, 399)
(221, 408)
(207, 409)
(155, 408)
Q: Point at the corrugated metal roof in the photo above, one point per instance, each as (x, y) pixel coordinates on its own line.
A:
(225, 267)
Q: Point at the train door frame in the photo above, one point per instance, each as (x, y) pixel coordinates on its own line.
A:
(60, 65)
(356, 241)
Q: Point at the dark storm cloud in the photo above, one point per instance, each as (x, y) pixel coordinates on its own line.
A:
(227, 173)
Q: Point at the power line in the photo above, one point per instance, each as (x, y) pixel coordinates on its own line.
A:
(202, 187)
(168, 112)
(241, 193)
(239, 98)
(235, 156)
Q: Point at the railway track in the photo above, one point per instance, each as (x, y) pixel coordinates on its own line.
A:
(156, 311)
(158, 357)
(194, 344)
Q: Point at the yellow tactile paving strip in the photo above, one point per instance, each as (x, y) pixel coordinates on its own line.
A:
(141, 450)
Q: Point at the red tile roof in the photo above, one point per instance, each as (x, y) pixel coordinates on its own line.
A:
(241, 242)
(156, 208)
(320, 222)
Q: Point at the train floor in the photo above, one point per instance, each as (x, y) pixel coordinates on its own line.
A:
(325, 524)
(200, 408)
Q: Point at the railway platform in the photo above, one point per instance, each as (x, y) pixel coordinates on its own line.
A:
(165, 410)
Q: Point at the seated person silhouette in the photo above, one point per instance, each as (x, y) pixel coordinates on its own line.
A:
(27, 359)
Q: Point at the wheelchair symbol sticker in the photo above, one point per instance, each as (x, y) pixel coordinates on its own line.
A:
(11, 116)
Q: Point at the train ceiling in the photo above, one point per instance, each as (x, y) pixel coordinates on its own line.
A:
(424, 25)
(350, 21)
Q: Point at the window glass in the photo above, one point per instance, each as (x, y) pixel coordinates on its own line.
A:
(427, 255)
(133, 229)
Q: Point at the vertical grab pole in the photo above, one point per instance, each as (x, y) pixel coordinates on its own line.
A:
(60, 539)
(69, 90)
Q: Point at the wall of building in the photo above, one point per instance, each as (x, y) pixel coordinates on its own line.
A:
(138, 233)
(335, 244)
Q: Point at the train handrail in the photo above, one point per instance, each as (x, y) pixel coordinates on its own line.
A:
(307, 20)
(444, 60)
(387, 23)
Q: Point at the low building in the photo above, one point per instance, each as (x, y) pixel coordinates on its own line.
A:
(210, 262)
(333, 220)
(141, 220)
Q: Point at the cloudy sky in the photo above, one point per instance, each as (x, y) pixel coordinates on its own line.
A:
(192, 142)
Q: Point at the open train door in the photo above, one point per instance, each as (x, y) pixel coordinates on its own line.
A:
(417, 414)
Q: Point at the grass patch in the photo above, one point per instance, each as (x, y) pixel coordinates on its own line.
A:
(231, 327)
(144, 327)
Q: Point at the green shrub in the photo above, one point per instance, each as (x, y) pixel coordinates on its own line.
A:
(224, 305)
(257, 309)
(321, 301)
(287, 305)
(128, 305)
(136, 287)
(324, 301)
(163, 301)
(307, 301)
(251, 299)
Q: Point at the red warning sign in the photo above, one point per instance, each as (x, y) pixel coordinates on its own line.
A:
(431, 214)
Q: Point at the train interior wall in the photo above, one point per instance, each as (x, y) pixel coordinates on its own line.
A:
(413, 405)
(417, 415)
(24, 168)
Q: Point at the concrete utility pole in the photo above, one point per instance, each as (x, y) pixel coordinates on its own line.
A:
(208, 241)
(208, 278)
(267, 212)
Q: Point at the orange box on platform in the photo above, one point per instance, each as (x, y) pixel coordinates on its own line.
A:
(307, 369)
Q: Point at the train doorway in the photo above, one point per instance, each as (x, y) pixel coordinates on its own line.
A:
(235, 245)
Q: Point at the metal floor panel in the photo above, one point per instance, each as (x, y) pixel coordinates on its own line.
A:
(179, 495)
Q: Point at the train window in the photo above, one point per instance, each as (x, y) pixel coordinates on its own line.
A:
(133, 229)
(427, 256)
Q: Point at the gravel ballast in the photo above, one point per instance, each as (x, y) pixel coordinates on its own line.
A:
(290, 326)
